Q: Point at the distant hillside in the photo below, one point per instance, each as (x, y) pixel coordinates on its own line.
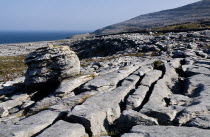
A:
(193, 13)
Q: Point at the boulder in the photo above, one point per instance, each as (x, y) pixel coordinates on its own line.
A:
(49, 65)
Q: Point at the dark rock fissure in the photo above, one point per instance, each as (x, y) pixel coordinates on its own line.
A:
(123, 104)
(180, 86)
(151, 88)
(115, 130)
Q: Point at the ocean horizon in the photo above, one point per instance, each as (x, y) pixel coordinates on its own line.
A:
(7, 37)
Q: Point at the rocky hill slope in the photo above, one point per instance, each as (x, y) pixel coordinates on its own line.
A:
(139, 85)
(194, 13)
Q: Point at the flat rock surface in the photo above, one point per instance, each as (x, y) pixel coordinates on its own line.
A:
(64, 129)
(165, 131)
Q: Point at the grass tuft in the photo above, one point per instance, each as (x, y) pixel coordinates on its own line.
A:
(11, 67)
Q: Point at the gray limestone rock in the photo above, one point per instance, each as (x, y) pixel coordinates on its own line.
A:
(29, 126)
(151, 77)
(175, 63)
(67, 104)
(110, 80)
(192, 46)
(157, 105)
(43, 104)
(68, 85)
(48, 66)
(197, 84)
(180, 100)
(130, 118)
(202, 121)
(201, 54)
(194, 70)
(64, 129)
(143, 70)
(103, 107)
(5, 106)
(135, 100)
(165, 131)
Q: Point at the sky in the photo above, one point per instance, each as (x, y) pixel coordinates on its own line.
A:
(75, 15)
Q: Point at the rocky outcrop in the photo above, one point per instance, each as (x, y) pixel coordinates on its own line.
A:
(152, 93)
(48, 66)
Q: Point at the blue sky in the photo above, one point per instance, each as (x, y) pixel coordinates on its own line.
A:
(57, 15)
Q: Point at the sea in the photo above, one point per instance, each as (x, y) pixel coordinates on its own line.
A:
(7, 37)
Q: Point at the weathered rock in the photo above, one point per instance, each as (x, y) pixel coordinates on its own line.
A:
(143, 70)
(198, 89)
(136, 99)
(48, 66)
(197, 84)
(177, 95)
(165, 131)
(69, 103)
(20, 97)
(110, 80)
(175, 63)
(11, 87)
(103, 107)
(27, 104)
(130, 118)
(43, 104)
(29, 126)
(5, 106)
(191, 112)
(68, 85)
(64, 129)
(156, 106)
(200, 122)
(151, 77)
(192, 46)
(13, 110)
(180, 100)
(179, 54)
(15, 81)
(201, 54)
(194, 70)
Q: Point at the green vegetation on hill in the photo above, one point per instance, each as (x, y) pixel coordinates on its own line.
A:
(185, 26)
(193, 13)
(11, 67)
